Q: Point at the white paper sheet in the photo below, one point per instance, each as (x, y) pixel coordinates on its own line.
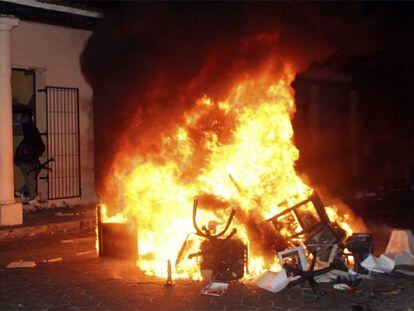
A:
(378, 264)
(21, 264)
(272, 281)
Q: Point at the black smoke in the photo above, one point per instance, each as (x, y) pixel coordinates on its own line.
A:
(148, 62)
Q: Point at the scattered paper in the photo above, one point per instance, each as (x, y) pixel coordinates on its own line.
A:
(384, 292)
(21, 264)
(333, 275)
(66, 214)
(274, 282)
(342, 286)
(79, 240)
(65, 205)
(86, 252)
(69, 241)
(53, 260)
(378, 264)
(323, 278)
(216, 289)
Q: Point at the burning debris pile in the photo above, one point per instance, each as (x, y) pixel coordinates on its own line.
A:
(236, 157)
(201, 117)
(233, 162)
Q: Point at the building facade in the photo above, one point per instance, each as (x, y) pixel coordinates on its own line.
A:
(40, 70)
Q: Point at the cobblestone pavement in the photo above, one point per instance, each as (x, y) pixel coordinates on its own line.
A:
(81, 281)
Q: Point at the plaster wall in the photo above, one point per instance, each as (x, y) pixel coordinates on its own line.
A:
(54, 52)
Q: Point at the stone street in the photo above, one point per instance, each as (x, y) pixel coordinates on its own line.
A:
(76, 279)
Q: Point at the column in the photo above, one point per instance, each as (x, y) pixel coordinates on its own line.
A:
(10, 211)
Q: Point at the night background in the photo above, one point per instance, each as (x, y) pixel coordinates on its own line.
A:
(178, 173)
(338, 47)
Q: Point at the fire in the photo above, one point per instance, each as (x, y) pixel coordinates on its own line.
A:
(236, 153)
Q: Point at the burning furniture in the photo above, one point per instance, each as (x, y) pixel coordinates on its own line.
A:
(307, 222)
(224, 258)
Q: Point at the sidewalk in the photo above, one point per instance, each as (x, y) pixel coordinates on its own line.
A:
(51, 221)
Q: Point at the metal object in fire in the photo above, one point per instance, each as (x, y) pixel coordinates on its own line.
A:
(225, 257)
(361, 246)
(117, 240)
(169, 281)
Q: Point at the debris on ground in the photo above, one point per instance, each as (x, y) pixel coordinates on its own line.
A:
(272, 281)
(92, 251)
(66, 214)
(376, 293)
(52, 260)
(312, 250)
(65, 205)
(28, 208)
(78, 240)
(69, 241)
(21, 264)
(345, 287)
(216, 289)
(382, 264)
(401, 247)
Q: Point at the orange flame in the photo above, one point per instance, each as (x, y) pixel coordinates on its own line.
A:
(239, 151)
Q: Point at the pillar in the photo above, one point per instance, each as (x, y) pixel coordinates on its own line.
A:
(10, 211)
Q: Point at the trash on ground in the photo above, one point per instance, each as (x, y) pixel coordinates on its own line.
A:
(342, 286)
(374, 293)
(272, 281)
(382, 264)
(324, 278)
(28, 208)
(65, 205)
(21, 264)
(216, 289)
(86, 252)
(69, 241)
(79, 240)
(401, 247)
(53, 260)
(66, 214)
(346, 287)
(310, 246)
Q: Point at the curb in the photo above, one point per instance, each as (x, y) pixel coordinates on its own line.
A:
(84, 224)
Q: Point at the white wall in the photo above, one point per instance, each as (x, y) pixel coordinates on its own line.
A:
(54, 51)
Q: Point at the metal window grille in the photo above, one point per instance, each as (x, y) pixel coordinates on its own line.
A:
(63, 142)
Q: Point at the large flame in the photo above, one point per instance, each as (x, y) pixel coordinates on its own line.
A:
(237, 153)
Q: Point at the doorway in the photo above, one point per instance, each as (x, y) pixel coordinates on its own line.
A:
(23, 83)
